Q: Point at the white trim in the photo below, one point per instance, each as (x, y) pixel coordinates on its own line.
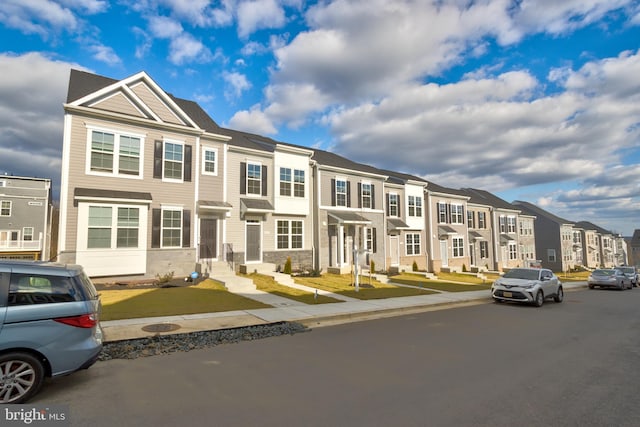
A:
(113, 95)
(173, 208)
(174, 142)
(204, 161)
(115, 172)
(130, 89)
(64, 183)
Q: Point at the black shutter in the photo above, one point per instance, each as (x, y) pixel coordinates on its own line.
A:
(360, 195)
(463, 215)
(348, 194)
(333, 192)
(186, 228)
(264, 180)
(387, 199)
(156, 219)
(448, 213)
(373, 196)
(157, 160)
(187, 163)
(243, 178)
(398, 203)
(375, 241)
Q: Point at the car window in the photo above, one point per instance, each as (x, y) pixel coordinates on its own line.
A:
(603, 272)
(518, 273)
(25, 289)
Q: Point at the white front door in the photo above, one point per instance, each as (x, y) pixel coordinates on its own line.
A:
(394, 251)
(444, 253)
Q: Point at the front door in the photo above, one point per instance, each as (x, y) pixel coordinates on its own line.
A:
(394, 251)
(208, 238)
(444, 253)
(254, 239)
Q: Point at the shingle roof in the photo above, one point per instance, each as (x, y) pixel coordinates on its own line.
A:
(486, 198)
(586, 225)
(532, 209)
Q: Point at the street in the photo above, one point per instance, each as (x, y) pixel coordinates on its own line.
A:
(569, 364)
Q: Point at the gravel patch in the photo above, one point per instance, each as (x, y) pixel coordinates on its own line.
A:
(164, 344)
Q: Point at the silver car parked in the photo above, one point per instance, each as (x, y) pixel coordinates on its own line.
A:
(48, 325)
(528, 285)
(609, 278)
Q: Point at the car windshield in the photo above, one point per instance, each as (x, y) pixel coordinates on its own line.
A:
(628, 270)
(603, 273)
(519, 273)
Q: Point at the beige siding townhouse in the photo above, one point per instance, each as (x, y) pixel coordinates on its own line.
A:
(447, 241)
(480, 238)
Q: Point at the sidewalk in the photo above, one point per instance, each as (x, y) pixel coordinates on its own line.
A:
(308, 315)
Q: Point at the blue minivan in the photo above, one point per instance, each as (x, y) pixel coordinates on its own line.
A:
(49, 325)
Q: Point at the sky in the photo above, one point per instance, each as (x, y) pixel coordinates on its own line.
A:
(534, 100)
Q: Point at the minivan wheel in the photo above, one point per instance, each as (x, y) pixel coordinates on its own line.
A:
(559, 296)
(21, 376)
(539, 299)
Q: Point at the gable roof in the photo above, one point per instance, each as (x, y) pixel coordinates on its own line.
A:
(484, 197)
(532, 209)
(586, 225)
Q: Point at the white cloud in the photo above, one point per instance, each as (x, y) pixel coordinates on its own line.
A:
(37, 16)
(255, 15)
(254, 121)
(238, 83)
(105, 54)
(185, 48)
(164, 27)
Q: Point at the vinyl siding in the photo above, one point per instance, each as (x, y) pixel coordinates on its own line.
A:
(152, 101)
(118, 103)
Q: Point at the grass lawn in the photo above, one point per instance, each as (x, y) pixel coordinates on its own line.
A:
(268, 284)
(207, 296)
(416, 280)
(579, 276)
(344, 285)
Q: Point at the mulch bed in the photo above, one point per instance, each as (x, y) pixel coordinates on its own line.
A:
(144, 283)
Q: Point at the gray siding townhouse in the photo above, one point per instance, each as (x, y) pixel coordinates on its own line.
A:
(25, 223)
(130, 201)
(504, 225)
(609, 252)
(554, 237)
(446, 228)
(269, 185)
(350, 226)
(480, 238)
(406, 222)
(633, 245)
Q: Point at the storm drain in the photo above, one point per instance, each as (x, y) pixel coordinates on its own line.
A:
(161, 327)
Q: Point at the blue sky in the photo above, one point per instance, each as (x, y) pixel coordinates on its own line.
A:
(535, 100)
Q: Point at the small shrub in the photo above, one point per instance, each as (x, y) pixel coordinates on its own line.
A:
(372, 266)
(414, 267)
(464, 268)
(165, 278)
(287, 266)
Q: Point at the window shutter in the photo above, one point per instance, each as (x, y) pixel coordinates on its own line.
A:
(187, 163)
(156, 219)
(399, 204)
(348, 194)
(243, 178)
(448, 213)
(375, 241)
(360, 195)
(264, 180)
(186, 228)
(387, 202)
(463, 215)
(333, 192)
(157, 159)
(373, 196)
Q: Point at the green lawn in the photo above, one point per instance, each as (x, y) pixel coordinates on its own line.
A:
(268, 284)
(417, 280)
(344, 285)
(206, 297)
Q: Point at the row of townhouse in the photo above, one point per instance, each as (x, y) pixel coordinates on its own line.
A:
(25, 217)
(151, 184)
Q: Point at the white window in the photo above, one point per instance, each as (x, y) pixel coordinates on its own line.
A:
(551, 255)
(5, 208)
(171, 228)
(484, 249)
(393, 204)
(458, 247)
(341, 192)
(513, 251)
(413, 244)
(482, 222)
(456, 214)
(254, 178)
(27, 234)
(442, 213)
(415, 206)
(366, 195)
(368, 240)
(173, 160)
(3, 184)
(127, 227)
(100, 223)
(114, 153)
(209, 161)
(471, 219)
(289, 234)
(511, 224)
(285, 181)
(503, 223)
(298, 183)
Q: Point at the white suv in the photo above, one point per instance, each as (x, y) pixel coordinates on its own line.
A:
(528, 285)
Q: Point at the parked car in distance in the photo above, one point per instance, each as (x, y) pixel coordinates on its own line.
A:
(631, 272)
(609, 278)
(527, 285)
(49, 325)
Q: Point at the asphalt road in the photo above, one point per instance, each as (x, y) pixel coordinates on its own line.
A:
(569, 364)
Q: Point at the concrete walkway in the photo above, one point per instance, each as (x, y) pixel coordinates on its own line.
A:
(287, 310)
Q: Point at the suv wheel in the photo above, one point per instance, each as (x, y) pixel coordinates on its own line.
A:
(539, 299)
(21, 376)
(559, 296)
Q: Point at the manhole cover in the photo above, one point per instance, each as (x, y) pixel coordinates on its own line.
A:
(161, 327)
